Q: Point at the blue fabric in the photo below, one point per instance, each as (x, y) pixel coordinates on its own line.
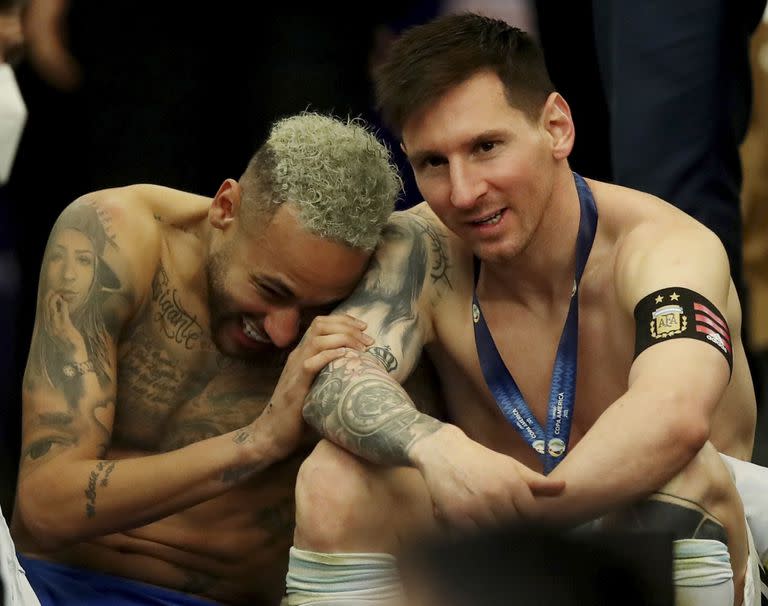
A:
(61, 585)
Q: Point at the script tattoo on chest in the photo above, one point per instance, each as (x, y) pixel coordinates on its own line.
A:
(149, 372)
(176, 322)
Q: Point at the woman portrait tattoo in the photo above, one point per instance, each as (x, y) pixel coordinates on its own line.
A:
(71, 335)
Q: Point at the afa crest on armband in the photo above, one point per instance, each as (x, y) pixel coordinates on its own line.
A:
(668, 320)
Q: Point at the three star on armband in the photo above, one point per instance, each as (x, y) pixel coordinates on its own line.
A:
(673, 297)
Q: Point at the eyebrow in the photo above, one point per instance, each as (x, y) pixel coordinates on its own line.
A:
(420, 156)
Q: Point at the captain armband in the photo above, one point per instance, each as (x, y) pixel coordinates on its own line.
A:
(679, 313)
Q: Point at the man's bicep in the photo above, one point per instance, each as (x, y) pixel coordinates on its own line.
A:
(685, 370)
(677, 293)
(391, 298)
(69, 383)
(692, 259)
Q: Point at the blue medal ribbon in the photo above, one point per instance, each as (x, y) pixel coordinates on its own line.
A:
(553, 444)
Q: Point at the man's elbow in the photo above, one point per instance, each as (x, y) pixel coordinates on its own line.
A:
(42, 519)
(688, 432)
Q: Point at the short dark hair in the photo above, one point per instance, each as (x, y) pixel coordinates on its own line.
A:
(430, 59)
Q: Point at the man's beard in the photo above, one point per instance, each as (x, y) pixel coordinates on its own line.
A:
(220, 313)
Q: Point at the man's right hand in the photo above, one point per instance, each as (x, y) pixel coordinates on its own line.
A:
(326, 339)
(472, 485)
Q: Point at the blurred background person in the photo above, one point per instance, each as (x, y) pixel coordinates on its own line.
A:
(13, 115)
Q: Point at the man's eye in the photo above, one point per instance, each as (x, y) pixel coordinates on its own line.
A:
(434, 161)
(268, 292)
(487, 146)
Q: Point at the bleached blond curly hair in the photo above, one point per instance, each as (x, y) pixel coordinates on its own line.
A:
(337, 173)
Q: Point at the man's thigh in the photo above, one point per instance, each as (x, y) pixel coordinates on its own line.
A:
(699, 503)
(346, 504)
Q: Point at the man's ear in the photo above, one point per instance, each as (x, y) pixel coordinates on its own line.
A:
(226, 204)
(556, 120)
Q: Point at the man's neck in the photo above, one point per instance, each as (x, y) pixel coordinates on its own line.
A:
(542, 273)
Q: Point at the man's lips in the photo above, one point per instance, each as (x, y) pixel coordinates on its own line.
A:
(491, 218)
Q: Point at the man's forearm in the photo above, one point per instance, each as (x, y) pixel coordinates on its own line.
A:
(357, 405)
(621, 459)
(66, 500)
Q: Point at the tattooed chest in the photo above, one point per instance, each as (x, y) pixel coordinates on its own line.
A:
(173, 386)
(168, 398)
(153, 383)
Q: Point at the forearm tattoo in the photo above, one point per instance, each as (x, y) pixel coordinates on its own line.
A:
(238, 473)
(98, 478)
(354, 403)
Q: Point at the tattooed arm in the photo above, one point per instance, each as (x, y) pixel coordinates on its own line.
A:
(357, 400)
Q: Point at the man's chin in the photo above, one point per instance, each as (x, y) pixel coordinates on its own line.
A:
(248, 349)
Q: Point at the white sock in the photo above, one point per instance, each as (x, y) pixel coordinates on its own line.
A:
(341, 579)
(702, 573)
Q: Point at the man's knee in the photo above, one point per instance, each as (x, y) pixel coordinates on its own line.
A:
(336, 501)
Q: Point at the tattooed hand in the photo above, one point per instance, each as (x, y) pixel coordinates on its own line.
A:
(58, 323)
(326, 339)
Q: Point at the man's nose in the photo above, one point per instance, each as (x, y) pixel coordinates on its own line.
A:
(282, 325)
(466, 186)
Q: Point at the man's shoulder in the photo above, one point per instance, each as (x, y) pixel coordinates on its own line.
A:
(124, 214)
(422, 222)
(642, 222)
(417, 213)
(124, 219)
